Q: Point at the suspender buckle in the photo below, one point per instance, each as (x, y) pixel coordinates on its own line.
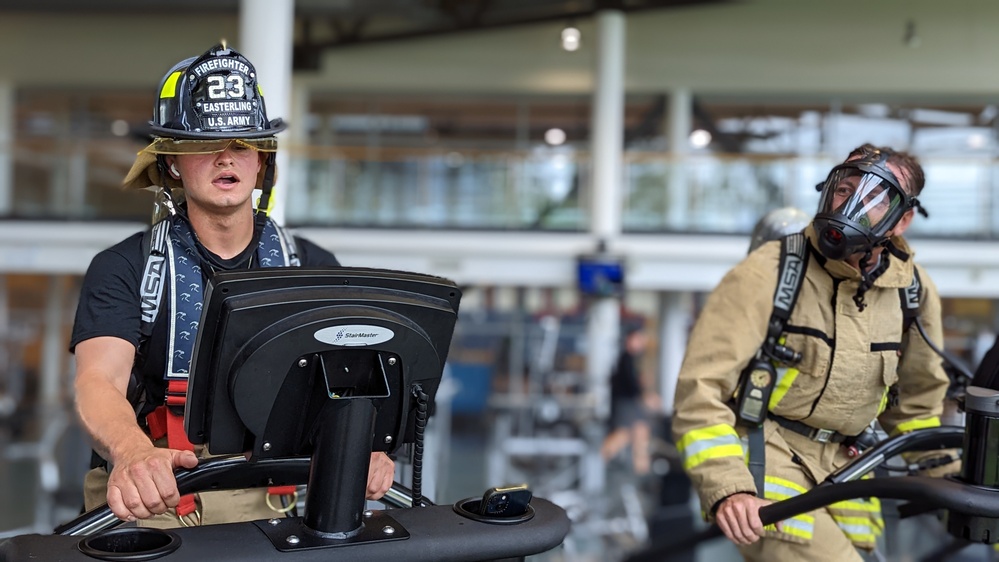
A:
(822, 435)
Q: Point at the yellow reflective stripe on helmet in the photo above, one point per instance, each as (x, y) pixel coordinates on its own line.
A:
(912, 425)
(260, 91)
(711, 442)
(169, 89)
(802, 525)
(785, 378)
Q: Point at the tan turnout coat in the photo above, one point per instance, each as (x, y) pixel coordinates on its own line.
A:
(849, 360)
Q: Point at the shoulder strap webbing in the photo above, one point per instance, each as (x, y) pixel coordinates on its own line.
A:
(186, 288)
(909, 300)
(155, 247)
(287, 246)
(791, 275)
(793, 262)
(151, 286)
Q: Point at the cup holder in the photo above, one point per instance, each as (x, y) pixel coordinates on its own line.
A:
(133, 544)
(469, 507)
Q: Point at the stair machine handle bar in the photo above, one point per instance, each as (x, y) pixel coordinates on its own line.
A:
(228, 473)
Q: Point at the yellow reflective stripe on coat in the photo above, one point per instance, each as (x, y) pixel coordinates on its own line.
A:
(707, 443)
(785, 378)
(912, 425)
(870, 505)
(801, 525)
(858, 530)
(859, 519)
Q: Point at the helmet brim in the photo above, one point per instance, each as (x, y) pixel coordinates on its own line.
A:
(275, 126)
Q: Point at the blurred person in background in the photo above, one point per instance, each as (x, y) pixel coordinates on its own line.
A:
(141, 299)
(630, 404)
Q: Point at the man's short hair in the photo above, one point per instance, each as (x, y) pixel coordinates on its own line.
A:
(914, 179)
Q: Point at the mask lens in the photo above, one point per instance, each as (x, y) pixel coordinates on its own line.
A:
(864, 198)
(212, 146)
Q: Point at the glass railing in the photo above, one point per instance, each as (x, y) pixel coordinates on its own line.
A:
(543, 189)
(728, 193)
(435, 189)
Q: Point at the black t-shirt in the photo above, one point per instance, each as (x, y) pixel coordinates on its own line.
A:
(109, 305)
(624, 381)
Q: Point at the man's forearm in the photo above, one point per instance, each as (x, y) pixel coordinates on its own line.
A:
(109, 419)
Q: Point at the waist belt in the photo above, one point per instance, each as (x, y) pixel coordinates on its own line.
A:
(813, 433)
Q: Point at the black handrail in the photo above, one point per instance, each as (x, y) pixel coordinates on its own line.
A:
(845, 484)
(227, 473)
(943, 437)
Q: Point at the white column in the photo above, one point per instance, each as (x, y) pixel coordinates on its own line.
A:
(266, 32)
(607, 136)
(607, 144)
(674, 313)
(680, 119)
(7, 103)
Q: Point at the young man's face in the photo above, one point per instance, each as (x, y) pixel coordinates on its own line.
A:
(221, 182)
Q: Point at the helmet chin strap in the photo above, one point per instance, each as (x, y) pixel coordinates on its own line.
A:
(164, 197)
(260, 213)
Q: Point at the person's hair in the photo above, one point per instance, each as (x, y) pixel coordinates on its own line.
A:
(914, 177)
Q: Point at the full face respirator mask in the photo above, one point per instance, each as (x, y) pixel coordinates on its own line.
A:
(861, 201)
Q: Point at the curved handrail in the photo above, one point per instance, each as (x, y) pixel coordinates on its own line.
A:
(228, 473)
(845, 484)
(941, 493)
(943, 437)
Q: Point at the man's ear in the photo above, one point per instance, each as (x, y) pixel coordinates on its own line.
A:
(903, 223)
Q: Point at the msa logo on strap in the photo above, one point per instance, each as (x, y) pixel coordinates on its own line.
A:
(353, 335)
(912, 294)
(788, 282)
(152, 287)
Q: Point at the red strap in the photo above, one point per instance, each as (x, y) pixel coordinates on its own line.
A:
(157, 423)
(169, 420)
(176, 394)
(186, 505)
(176, 438)
(165, 420)
(281, 490)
